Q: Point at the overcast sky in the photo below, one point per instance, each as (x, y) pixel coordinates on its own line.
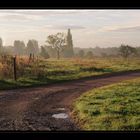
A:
(90, 28)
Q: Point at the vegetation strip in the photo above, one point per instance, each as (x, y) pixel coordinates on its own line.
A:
(113, 107)
(44, 72)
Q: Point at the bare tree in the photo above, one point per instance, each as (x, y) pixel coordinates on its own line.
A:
(126, 50)
(57, 42)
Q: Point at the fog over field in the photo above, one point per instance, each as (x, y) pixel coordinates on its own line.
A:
(69, 70)
(90, 28)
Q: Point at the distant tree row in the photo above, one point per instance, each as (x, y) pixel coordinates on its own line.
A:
(19, 47)
(58, 45)
(125, 51)
(83, 54)
(61, 45)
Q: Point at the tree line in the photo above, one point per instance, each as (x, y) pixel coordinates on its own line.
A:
(123, 50)
(57, 45)
(61, 45)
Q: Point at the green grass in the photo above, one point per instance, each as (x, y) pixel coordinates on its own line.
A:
(114, 107)
(21, 82)
(49, 71)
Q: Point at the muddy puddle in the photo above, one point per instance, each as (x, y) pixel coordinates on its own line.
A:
(60, 116)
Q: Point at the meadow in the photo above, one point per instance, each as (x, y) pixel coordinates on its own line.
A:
(113, 107)
(46, 71)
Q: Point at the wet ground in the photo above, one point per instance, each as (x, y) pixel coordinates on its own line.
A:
(48, 107)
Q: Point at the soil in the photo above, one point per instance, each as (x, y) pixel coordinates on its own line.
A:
(32, 109)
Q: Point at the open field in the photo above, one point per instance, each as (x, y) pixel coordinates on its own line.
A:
(43, 71)
(113, 107)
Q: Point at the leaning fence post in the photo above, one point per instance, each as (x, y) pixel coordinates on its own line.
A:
(30, 57)
(14, 67)
(33, 57)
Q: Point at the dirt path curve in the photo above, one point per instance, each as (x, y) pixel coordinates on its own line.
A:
(33, 108)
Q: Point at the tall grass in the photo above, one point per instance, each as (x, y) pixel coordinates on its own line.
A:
(52, 70)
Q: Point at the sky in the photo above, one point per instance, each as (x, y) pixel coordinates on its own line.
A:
(89, 28)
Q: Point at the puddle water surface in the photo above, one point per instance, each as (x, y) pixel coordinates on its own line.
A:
(60, 116)
(36, 98)
(61, 109)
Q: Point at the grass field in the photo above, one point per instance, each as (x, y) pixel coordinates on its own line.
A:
(114, 107)
(49, 71)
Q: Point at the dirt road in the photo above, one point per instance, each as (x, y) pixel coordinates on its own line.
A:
(38, 108)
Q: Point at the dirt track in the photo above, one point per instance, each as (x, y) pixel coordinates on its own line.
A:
(32, 108)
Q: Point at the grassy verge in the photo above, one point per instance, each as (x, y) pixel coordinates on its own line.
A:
(114, 107)
(52, 71)
(33, 82)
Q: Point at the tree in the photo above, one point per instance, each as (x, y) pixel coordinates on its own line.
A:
(19, 47)
(44, 53)
(126, 50)
(1, 43)
(32, 47)
(51, 51)
(57, 42)
(22, 44)
(81, 53)
(68, 51)
(89, 54)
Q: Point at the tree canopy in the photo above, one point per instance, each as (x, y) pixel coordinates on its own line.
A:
(57, 41)
(126, 50)
(44, 53)
(19, 47)
(32, 47)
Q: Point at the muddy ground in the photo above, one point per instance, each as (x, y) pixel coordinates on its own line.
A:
(33, 108)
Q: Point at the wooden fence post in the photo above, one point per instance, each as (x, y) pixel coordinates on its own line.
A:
(14, 68)
(33, 57)
(30, 57)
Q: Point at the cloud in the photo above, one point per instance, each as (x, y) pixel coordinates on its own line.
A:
(27, 15)
(99, 14)
(127, 29)
(120, 28)
(38, 14)
(108, 28)
(18, 17)
(65, 27)
(19, 29)
(14, 17)
(46, 12)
